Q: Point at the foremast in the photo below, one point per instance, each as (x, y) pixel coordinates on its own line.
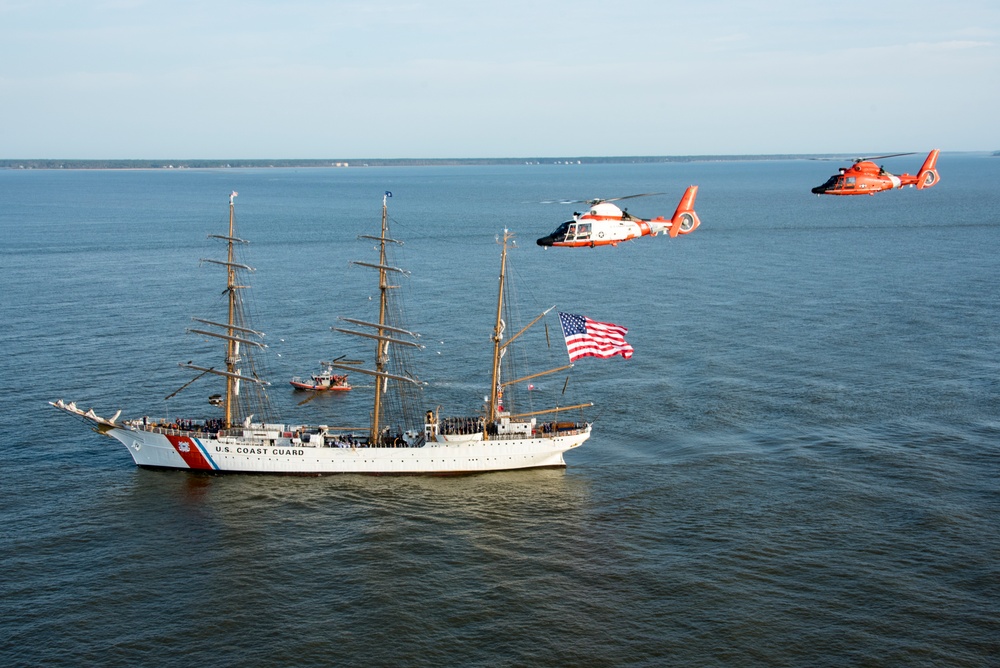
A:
(236, 405)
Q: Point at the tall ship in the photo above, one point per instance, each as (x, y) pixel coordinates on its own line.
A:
(401, 437)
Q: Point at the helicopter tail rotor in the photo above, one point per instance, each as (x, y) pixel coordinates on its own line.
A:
(928, 174)
(685, 220)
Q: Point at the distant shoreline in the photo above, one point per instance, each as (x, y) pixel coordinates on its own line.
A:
(382, 162)
(407, 162)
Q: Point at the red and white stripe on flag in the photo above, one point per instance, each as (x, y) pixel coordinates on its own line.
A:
(590, 338)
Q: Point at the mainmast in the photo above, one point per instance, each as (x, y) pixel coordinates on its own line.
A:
(382, 345)
(232, 345)
(385, 334)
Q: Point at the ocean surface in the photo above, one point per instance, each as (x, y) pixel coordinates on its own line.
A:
(798, 467)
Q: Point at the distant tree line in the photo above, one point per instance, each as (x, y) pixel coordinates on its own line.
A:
(378, 162)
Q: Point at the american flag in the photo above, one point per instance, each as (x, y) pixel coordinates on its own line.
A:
(589, 338)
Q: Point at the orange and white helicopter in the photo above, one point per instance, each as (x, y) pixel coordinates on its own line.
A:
(604, 224)
(864, 177)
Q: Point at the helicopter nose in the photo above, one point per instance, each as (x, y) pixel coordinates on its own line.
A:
(819, 190)
(544, 241)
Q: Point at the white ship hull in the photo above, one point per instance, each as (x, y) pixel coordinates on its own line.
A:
(275, 454)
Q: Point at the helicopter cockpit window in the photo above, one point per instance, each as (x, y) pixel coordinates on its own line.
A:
(583, 231)
(562, 230)
(850, 182)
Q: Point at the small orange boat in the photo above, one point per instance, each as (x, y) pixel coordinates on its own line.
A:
(324, 381)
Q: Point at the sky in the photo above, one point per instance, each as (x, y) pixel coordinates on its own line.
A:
(145, 79)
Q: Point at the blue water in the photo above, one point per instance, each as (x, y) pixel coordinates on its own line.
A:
(798, 466)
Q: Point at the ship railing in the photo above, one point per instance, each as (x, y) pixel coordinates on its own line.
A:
(171, 431)
(169, 428)
(541, 432)
(366, 446)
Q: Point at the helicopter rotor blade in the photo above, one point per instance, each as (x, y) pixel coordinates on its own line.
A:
(564, 201)
(856, 160)
(616, 199)
(597, 200)
(880, 157)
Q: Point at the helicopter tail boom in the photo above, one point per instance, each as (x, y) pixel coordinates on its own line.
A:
(928, 175)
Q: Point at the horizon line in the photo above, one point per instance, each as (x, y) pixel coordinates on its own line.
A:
(235, 163)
